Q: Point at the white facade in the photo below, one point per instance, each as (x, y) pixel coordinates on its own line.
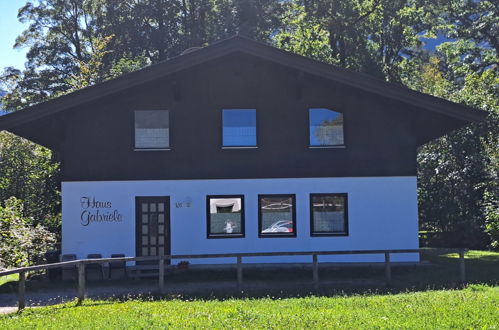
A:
(382, 214)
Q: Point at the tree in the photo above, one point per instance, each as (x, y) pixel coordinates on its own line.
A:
(28, 172)
(465, 161)
(457, 173)
(58, 37)
(304, 35)
(371, 36)
(475, 21)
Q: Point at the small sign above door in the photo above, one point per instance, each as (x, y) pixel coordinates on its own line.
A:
(186, 203)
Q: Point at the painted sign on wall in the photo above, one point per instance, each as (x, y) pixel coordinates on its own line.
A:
(94, 210)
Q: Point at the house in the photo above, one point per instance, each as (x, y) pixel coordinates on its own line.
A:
(239, 147)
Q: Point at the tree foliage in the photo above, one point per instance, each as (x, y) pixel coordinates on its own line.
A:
(460, 170)
(28, 172)
(372, 36)
(21, 243)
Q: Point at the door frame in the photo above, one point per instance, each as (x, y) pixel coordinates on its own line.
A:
(168, 236)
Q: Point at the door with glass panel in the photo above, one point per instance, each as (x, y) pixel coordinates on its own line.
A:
(152, 226)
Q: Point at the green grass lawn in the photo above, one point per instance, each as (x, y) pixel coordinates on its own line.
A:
(473, 307)
(9, 278)
(419, 297)
(477, 255)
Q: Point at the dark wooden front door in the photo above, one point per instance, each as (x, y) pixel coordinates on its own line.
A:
(152, 226)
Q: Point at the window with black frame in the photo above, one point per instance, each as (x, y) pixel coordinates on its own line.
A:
(225, 216)
(276, 216)
(328, 215)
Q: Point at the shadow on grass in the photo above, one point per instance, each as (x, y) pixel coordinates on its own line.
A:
(440, 272)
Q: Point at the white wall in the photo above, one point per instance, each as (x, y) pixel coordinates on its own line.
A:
(382, 215)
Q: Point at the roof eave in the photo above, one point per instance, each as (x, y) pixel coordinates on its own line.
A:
(254, 48)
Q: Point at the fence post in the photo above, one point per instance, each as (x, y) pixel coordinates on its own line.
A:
(161, 275)
(388, 269)
(81, 282)
(462, 268)
(315, 269)
(21, 291)
(239, 272)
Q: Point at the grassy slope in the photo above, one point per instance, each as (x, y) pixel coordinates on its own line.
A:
(474, 307)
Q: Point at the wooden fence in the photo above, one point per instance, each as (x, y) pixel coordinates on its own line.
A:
(80, 264)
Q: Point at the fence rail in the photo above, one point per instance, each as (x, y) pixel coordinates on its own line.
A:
(80, 265)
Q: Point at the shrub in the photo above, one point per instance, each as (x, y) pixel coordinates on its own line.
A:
(21, 243)
(492, 219)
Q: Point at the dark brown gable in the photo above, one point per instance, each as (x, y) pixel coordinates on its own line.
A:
(381, 136)
(383, 123)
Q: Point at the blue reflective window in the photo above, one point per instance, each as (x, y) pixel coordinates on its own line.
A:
(326, 127)
(239, 127)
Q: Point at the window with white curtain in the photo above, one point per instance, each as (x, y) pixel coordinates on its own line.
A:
(152, 129)
(328, 214)
(225, 216)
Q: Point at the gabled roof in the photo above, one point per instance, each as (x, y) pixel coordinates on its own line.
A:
(253, 48)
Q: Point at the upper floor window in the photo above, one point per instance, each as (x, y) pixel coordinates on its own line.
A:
(152, 129)
(225, 216)
(239, 127)
(326, 128)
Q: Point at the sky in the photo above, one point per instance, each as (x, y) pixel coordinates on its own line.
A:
(10, 28)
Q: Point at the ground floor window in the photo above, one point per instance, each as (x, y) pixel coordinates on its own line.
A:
(225, 216)
(328, 215)
(276, 216)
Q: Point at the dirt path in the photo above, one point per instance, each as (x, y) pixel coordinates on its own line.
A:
(7, 310)
(55, 295)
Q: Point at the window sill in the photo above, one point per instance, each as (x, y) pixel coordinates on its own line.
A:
(152, 149)
(228, 148)
(276, 236)
(328, 234)
(328, 147)
(226, 236)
